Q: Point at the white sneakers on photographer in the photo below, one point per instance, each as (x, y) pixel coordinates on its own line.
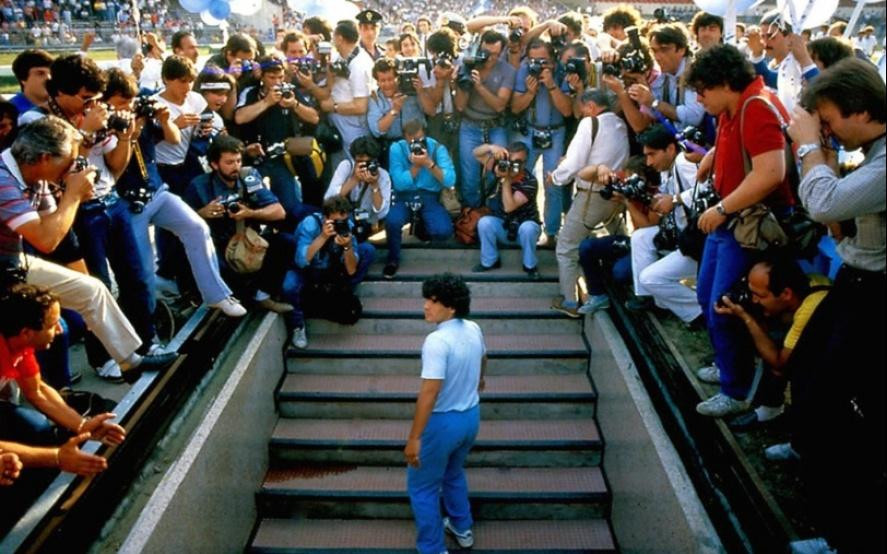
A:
(110, 371)
(464, 538)
(299, 339)
(709, 374)
(230, 306)
(721, 405)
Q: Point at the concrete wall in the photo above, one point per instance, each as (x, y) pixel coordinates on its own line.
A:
(655, 508)
(205, 501)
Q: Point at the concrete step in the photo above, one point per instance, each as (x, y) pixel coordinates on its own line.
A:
(504, 443)
(410, 365)
(401, 326)
(361, 536)
(479, 289)
(394, 396)
(467, 257)
(380, 492)
(494, 308)
(413, 269)
(410, 346)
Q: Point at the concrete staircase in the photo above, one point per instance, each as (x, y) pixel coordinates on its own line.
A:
(338, 479)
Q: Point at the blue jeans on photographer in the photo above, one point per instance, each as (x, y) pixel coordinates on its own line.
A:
(723, 263)
(557, 198)
(286, 187)
(55, 365)
(107, 237)
(471, 135)
(596, 254)
(296, 279)
(491, 231)
(433, 215)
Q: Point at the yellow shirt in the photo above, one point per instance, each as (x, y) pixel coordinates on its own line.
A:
(805, 311)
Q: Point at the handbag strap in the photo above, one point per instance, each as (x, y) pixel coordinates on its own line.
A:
(790, 167)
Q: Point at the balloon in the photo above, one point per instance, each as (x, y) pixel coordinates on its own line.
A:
(208, 19)
(220, 9)
(333, 10)
(195, 6)
(819, 12)
(719, 7)
(245, 7)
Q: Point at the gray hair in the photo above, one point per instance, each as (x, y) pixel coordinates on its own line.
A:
(604, 99)
(47, 135)
(127, 48)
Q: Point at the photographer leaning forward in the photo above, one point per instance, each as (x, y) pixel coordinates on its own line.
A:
(44, 153)
(485, 83)
(271, 114)
(390, 106)
(845, 364)
(514, 216)
(366, 184)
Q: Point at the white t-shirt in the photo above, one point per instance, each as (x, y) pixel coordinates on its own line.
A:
(150, 77)
(360, 84)
(96, 157)
(453, 353)
(343, 171)
(173, 154)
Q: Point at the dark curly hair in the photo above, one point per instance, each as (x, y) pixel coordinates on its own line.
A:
(73, 72)
(450, 290)
(24, 306)
(365, 145)
(853, 86)
(722, 64)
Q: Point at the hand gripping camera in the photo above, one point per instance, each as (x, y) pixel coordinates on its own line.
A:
(145, 106)
(407, 70)
(286, 90)
(634, 188)
(469, 64)
(508, 166)
(535, 67)
(576, 66)
(372, 167)
(739, 294)
(307, 66)
(417, 147)
(632, 61)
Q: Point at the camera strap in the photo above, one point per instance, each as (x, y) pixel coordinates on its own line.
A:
(140, 160)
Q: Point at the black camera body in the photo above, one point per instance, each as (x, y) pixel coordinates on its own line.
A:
(372, 167)
(275, 150)
(443, 60)
(119, 121)
(247, 66)
(145, 106)
(138, 198)
(81, 163)
(231, 202)
(308, 66)
(705, 199)
(512, 225)
(576, 66)
(342, 228)
(340, 68)
(362, 226)
(542, 139)
(286, 90)
(558, 43)
(417, 147)
(407, 70)
(632, 61)
(469, 64)
(739, 294)
(515, 34)
(634, 188)
(535, 66)
(508, 166)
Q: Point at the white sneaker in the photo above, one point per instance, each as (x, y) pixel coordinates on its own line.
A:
(810, 546)
(156, 349)
(721, 405)
(782, 452)
(594, 303)
(299, 339)
(230, 306)
(709, 374)
(110, 371)
(464, 538)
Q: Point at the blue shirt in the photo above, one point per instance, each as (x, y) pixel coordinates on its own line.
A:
(453, 353)
(308, 230)
(399, 168)
(379, 105)
(546, 114)
(21, 103)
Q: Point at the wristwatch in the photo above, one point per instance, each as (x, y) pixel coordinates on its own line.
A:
(721, 209)
(805, 149)
(335, 107)
(655, 104)
(392, 113)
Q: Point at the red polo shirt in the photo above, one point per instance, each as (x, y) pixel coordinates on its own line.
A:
(18, 366)
(761, 133)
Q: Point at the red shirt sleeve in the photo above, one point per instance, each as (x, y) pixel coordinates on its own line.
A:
(28, 366)
(761, 131)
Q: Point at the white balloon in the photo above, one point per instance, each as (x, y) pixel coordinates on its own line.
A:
(819, 12)
(719, 7)
(333, 10)
(245, 7)
(208, 19)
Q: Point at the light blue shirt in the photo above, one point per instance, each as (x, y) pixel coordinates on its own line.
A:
(399, 168)
(453, 353)
(687, 106)
(379, 105)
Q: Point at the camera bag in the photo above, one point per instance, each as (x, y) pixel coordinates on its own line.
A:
(246, 250)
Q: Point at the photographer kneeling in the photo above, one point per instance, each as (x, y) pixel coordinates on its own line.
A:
(365, 184)
(329, 269)
(229, 196)
(514, 211)
(420, 168)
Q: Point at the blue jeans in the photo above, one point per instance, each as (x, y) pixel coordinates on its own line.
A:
(168, 211)
(106, 237)
(557, 198)
(296, 279)
(723, 263)
(25, 425)
(446, 440)
(470, 137)
(286, 187)
(491, 231)
(433, 215)
(595, 256)
(55, 366)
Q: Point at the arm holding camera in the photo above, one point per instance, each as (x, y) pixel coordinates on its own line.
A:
(47, 231)
(769, 350)
(171, 132)
(269, 213)
(213, 210)
(480, 23)
(387, 119)
(245, 114)
(521, 100)
(635, 117)
(511, 199)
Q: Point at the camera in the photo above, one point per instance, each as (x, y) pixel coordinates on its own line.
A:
(205, 128)
(415, 207)
(372, 167)
(692, 139)
(307, 66)
(247, 66)
(611, 69)
(666, 239)
(407, 70)
(535, 66)
(519, 125)
(340, 68)
(542, 139)
(286, 90)
(509, 166)
(119, 122)
(275, 150)
(362, 225)
(342, 228)
(633, 188)
(324, 48)
(558, 43)
(444, 60)
(80, 164)
(451, 123)
(705, 199)
(138, 198)
(145, 106)
(661, 15)
(621, 247)
(231, 202)
(632, 61)
(576, 66)
(739, 294)
(417, 147)
(516, 34)
(469, 64)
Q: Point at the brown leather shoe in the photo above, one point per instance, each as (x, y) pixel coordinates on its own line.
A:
(274, 306)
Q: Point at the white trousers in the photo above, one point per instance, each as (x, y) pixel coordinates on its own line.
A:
(661, 277)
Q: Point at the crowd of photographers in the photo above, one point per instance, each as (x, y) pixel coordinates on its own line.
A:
(748, 170)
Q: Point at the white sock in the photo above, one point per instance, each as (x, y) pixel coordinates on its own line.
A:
(130, 362)
(261, 295)
(766, 413)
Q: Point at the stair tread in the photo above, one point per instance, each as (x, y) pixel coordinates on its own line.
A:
(341, 344)
(482, 481)
(302, 385)
(481, 305)
(591, 535)
(395, 431)
(413, 269)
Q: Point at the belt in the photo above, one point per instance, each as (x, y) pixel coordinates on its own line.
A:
(484, 123)
(547, 128)
(172, 166)
(860, 276)
(105, 201)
